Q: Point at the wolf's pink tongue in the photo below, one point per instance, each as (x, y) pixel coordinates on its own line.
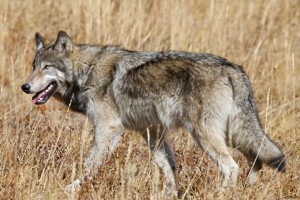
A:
(35, 99)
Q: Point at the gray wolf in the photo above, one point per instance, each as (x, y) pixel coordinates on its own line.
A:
(154, 92)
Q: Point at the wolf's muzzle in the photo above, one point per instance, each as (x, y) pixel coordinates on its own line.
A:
(26, 88)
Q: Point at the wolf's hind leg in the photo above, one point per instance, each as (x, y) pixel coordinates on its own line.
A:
(164, 159)
(255, 165)
(214, 145)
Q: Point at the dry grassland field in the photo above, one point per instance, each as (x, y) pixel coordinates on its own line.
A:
(42, 148)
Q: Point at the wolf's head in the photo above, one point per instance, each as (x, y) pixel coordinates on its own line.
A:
(50, 68)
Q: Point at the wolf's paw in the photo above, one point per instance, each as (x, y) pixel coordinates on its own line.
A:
(74, 187)
(172, 194)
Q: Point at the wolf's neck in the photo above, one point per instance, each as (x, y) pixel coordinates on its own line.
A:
(94, 66)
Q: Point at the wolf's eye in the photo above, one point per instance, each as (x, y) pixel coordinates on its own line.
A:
(47, 66)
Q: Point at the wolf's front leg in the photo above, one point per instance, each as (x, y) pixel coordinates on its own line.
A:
(106, 139)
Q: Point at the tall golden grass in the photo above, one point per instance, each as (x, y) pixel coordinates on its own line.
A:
(42, 148)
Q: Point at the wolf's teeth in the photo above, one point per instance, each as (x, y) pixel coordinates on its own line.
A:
(50, 86)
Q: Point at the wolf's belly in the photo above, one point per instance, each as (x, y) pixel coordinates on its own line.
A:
(139, 115)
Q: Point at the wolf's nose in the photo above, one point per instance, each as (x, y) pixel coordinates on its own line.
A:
(26, 87)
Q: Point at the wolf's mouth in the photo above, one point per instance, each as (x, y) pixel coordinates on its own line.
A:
(42, 96)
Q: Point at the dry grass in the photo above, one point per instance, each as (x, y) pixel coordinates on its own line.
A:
(42, 148)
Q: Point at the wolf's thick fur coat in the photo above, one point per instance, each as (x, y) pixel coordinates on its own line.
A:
(153, 92)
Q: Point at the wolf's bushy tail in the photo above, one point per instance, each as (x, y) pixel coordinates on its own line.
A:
(245, 132)
(249, 138)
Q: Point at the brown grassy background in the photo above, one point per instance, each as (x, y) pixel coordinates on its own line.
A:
(42, 148)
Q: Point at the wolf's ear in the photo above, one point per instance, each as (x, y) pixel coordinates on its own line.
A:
(63, 42)
(39, 40)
